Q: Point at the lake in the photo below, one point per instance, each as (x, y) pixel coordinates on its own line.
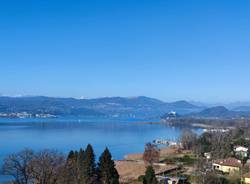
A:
(121, 136)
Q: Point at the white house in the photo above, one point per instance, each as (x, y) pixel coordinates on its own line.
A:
(241, 150)
(207, 155)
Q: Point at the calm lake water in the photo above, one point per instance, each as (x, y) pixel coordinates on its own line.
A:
(65, 134)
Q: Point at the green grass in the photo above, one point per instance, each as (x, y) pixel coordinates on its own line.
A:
(185, 160)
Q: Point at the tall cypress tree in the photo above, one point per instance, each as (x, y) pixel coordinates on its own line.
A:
(89, 166)
(149, 177)
(107, 172)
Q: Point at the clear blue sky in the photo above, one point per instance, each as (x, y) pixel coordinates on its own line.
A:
(167, 49)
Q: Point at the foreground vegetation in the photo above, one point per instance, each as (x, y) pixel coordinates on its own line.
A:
(51, 167)
(220, 145)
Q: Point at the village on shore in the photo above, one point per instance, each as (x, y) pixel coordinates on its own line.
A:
(216, 156)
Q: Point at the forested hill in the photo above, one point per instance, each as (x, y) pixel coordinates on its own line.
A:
(109, 106)
(217, 112)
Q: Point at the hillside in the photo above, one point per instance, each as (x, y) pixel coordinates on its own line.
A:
(137, 107)
(242, 108)
(220, 112)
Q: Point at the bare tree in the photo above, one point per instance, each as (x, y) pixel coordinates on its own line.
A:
(17, 165)
(151, 154)
(188, 139)
(47, 167)
(221, 145)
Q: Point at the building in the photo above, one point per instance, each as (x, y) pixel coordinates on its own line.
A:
(241, 151)
(227, 166)
(246, 178)
(172, 180)
(208, 155)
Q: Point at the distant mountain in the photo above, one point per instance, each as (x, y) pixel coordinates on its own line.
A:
(182, 104)
(44, 105)
(139, 107)
(200, 104)
(219, 112)
(242, 108)
(235, 105)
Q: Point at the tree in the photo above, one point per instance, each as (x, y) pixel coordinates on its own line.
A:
(204, 143)
(213, 179)
(107, 173)
(17, 165)
(71, 171)
(221, 146)
(188, 139)
(79, 166)
(88, 171)
(149, 177)
(47, 167)
(151, 154)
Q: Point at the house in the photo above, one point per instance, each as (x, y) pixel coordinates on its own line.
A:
(207, 155)
(227, 166)
(241, 151)
(246, 178)
(172, 180)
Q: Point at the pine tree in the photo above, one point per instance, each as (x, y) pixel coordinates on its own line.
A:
(149, 177)
(89, 166)
(107, 173)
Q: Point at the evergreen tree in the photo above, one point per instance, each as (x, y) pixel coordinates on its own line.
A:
(150, 176)
(71, 174)
(76, 155)
(80, 165)
(107, 172)
(89, 166)
(70, 155)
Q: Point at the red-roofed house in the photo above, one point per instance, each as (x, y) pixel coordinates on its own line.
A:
(229, 165)
(246, 178)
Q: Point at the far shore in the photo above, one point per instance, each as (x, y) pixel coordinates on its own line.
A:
(196, 125)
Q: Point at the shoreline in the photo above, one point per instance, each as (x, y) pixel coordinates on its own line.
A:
(132, 165)
(180, 123)
(196, 125)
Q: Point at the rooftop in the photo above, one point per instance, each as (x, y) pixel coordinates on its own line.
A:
(240, 148)
(246, 175)
(233, 162)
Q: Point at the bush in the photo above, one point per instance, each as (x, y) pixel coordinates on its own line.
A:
(141, 178)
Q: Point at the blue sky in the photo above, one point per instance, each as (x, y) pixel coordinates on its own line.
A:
(171, 50)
